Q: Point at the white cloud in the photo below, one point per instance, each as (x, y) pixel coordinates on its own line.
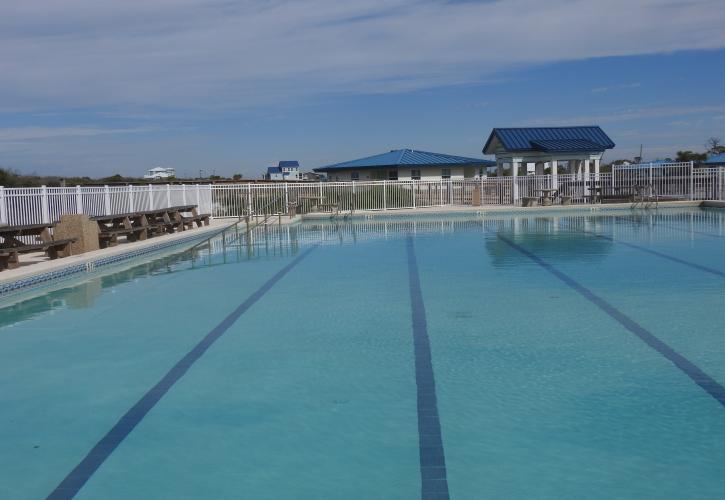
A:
(21, 134)
(219, 54)
(621, 86)
(626, 114)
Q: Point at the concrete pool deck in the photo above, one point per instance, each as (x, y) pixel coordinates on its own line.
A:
(37, 264)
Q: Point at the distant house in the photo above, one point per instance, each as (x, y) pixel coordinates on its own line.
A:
(717, 160)
(159, 173)
(284, 171)
(407, 164)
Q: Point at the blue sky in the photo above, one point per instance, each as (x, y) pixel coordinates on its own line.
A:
(97, 88)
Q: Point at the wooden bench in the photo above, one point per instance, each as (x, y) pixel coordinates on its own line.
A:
(109, 237)
(9, 257)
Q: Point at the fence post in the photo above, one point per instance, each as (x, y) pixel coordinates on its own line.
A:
(45, 212)
(79, 200)
(286, 198)
(151, 197)
(249, 198)
(198, 198)
(168, 195)
(3, 207)
(385, 196)
(107, 200)
(183, 194)
(130, 199)
(413, 187)
(692, 180)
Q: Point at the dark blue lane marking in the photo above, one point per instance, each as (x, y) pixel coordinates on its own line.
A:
(74, 481)
(681, 229)
(434, 482)
(709, 384)
(672, 258)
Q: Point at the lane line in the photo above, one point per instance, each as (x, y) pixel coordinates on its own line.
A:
(640, 223)
(74, 481)
(672, 258)
(433, 475)
(705, 381)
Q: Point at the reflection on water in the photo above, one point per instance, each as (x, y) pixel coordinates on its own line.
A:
(566, 237)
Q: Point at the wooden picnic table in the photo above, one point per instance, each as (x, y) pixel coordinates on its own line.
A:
(12, 245)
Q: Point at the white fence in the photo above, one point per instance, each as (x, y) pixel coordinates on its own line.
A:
(47, 204)
(666, 181)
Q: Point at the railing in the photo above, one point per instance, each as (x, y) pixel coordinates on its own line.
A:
(47, 204)
(666, 181)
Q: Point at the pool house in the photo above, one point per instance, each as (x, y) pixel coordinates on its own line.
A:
(406, 165)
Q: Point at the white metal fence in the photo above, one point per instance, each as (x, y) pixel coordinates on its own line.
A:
(45, 204)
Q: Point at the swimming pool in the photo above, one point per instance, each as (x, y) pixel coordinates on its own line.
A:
(500, 356)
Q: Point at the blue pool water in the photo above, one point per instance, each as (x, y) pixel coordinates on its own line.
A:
(498, 356)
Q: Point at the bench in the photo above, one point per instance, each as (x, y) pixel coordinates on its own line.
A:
(9, 256)
(529, 201)
(109, 237)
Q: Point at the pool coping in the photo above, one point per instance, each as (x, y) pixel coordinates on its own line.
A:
(48, 273)
(505, 209)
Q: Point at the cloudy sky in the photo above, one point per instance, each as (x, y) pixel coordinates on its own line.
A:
(93, 87)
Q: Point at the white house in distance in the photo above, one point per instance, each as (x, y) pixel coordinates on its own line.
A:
(578, 149)
(159, 173)
(407, 164)
(285, 171)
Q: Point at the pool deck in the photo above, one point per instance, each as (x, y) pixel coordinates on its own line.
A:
(34, 264)
(507, 209)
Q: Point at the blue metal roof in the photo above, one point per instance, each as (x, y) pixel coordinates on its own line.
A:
(288, 164)
(274, 170)
(716, 159)
(408, 158)
(551, 139)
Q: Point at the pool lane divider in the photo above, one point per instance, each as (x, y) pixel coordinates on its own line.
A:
(662, 255)
(638, 222)
(434, 482)
(74, 481)
(705, 381)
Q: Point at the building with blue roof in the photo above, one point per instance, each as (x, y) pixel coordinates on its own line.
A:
(717, 160)
(407, 164)
(285, 171)
(578, 150)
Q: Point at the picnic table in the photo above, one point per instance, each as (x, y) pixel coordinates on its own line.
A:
(11, 245)
(309, 203)
(547, 195)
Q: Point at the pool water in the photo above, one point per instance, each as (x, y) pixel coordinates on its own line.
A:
(558, 356)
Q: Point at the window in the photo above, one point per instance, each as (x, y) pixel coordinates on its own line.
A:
(415, 175)
(354, 176)
(392, 175)
(445, 173)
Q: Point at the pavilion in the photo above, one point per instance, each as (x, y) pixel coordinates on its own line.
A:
(580, 147)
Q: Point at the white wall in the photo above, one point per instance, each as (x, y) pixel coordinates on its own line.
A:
(426, 174)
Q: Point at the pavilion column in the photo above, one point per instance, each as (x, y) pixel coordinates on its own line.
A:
(596, 169)
(554, 175)
(586, 177)
(499, 168)
(515, 163)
